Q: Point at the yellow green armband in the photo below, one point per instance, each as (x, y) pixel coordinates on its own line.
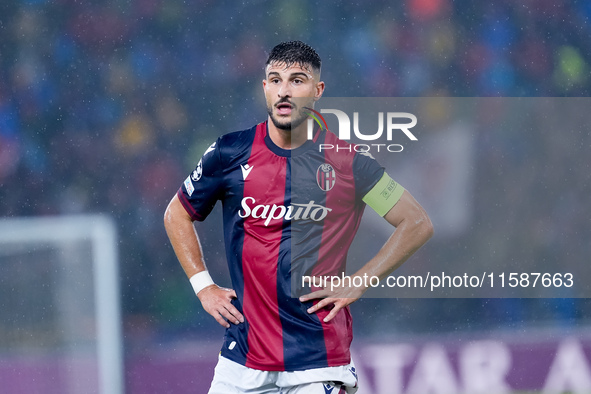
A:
(384, 195)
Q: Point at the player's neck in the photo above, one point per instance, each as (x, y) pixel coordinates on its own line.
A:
(287, 139)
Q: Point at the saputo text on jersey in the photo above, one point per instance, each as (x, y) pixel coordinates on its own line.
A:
(295, 211)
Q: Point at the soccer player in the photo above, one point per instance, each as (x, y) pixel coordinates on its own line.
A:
(289, 210)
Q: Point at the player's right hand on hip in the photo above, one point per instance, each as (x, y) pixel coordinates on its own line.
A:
(217, 301)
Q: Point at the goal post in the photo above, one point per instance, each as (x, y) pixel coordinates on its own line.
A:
(61, 311)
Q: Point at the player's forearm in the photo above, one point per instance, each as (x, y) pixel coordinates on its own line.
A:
(183, 238)
(215, 300)
(411, 233)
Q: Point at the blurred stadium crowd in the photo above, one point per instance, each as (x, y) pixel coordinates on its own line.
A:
(106, 106)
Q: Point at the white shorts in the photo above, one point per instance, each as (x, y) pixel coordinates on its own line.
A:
(233, 378)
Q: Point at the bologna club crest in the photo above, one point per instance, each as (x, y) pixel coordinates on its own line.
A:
(326, 177)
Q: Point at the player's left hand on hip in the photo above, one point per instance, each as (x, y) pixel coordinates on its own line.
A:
(338, 296)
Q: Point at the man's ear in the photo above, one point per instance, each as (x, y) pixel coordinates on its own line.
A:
(319, 90)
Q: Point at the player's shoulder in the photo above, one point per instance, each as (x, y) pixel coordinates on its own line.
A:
(232, 146)
(236, 141)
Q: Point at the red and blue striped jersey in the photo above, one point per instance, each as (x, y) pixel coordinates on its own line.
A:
(287, 213)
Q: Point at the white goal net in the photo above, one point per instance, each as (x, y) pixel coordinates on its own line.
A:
(60, 314)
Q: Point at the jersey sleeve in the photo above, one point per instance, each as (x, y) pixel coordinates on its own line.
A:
(374, 185)
(202, 188)
(367, 172)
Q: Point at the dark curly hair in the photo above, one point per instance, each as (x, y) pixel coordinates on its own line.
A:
(295, 52)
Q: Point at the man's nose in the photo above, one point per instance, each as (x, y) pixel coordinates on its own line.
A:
(284, 89)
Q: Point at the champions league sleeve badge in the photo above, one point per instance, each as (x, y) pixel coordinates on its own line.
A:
(326, 177)
(196, 175)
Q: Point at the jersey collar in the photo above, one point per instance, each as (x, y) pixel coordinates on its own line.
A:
(288, 152)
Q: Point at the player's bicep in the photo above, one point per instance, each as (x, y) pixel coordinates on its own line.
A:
(176, 211)
(406, 208)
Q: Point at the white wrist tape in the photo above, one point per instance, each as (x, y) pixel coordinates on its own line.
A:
(200, 281)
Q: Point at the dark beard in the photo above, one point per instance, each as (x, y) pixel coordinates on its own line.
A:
(287, 126)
